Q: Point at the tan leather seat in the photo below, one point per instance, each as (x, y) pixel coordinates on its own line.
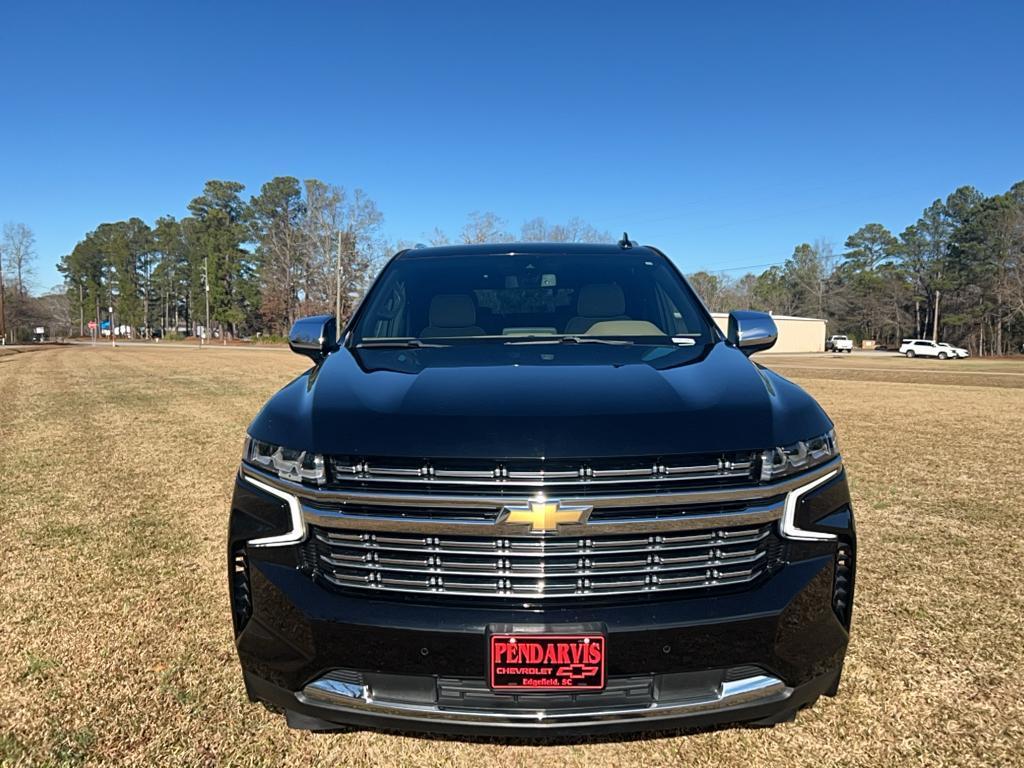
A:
(597, 302)
(452, 314)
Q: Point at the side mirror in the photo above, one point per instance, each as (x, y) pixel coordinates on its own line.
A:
(752, 331)
(315, 337)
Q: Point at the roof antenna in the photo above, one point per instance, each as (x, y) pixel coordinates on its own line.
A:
(625, 243)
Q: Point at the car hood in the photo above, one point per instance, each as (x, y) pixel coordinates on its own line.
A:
(545, 401)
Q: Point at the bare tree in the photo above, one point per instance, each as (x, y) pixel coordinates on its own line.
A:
(708, 287)
(534, 230)
(486, 227)
(54, 310)
(19, 252)
(438, 237)
(575, 230)
(336, 219)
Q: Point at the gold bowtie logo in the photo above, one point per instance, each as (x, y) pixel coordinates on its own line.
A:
(543, 516)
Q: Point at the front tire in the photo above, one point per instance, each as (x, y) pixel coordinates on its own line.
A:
(942, 355)
(910, 353)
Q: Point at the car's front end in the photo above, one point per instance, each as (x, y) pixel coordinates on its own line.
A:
(530, 538)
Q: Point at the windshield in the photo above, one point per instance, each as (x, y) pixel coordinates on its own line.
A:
(531, 298)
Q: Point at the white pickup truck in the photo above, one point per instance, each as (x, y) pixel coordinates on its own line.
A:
(839, 344)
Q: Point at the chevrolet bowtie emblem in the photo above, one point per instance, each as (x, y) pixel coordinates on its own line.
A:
(544, 516)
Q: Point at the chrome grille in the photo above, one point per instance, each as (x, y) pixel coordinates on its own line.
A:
(539, 566)
(566, 476)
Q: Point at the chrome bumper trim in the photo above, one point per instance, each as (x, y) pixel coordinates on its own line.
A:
(348, 697)
(753, 515)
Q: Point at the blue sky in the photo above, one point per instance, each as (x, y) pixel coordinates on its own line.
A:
(726, 133)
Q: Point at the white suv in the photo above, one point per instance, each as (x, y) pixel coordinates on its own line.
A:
(954, 351)
(924, 348)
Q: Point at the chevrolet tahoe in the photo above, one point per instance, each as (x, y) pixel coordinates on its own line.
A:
(532, 489)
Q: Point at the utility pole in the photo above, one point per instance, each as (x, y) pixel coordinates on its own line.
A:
(3, 312)
(348, 240)
(81, 313)
(337, 292)
(206, 286)
(110, 309)
(145, 295)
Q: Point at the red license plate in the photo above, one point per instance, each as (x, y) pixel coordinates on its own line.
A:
(543, 662)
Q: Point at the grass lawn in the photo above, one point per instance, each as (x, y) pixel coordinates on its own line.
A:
(116, 468)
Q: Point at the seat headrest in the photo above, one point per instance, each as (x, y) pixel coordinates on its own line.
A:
(601, 300)
(452, 310)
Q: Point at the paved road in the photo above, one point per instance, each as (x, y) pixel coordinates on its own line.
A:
(122, 344)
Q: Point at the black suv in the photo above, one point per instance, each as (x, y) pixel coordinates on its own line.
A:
(533, 489)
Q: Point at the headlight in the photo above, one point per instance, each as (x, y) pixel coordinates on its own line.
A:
(286, 463)
(800, 456)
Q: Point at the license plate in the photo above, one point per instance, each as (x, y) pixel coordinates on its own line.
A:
(520, 662)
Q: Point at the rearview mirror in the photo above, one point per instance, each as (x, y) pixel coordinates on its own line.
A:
(315, 337)
(752, 331)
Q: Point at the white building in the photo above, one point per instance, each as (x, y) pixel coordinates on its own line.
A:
(796, 334)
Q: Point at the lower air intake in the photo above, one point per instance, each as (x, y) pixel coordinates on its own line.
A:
(842, 592)
(241, 597)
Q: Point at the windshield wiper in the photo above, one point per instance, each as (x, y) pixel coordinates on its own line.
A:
(571, 340)
(399, 344)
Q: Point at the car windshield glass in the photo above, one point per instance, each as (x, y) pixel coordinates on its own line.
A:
(513, 298)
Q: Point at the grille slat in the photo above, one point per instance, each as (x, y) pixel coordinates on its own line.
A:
(574, 476)
(540, 567)
(546, 568)
(368, 542)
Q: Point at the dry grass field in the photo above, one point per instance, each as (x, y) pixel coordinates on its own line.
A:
(116, 468)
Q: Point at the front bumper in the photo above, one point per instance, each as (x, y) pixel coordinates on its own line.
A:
(693, 660)
(758, 698)
(676, 653)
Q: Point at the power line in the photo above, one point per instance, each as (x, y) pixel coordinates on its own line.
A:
(748, 266)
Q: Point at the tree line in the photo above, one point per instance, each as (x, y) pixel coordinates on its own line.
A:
(254, 265)
(232, 267)
(258, 263)
(956, 274)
